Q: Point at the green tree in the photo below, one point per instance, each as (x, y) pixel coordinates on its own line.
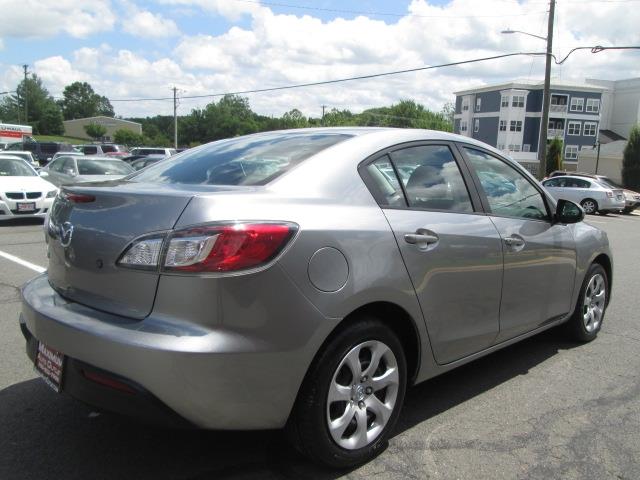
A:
(80, 101)
(294, 119)
(43, 112)
(631, 160)
(95, 130)
(128, 138)
(554, 155)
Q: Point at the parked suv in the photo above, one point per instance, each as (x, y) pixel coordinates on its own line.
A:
(153, 151)
(102, 149)
(43, 151)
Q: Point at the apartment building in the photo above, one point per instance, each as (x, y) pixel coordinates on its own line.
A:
(507, 116)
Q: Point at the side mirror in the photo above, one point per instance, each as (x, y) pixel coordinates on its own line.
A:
(43, 173)
(568, 212)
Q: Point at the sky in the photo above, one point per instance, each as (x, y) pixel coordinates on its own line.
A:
(135, 49)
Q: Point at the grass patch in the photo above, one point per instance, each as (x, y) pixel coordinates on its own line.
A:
(59, 138)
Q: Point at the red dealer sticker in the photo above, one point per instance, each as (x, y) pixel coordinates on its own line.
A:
(49, 364)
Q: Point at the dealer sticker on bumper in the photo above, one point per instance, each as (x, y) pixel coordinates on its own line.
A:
(49, 364)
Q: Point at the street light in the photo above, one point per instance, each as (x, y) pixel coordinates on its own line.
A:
(544, 123)
(524, 33)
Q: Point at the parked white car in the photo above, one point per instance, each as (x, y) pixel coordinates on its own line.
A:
(22, 192)
(589, 193)
(24, 155)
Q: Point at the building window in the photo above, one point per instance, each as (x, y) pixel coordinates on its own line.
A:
(503, 126)
(514, 148)
(573, 128)
(526, 147)
(478, 104)
(577, 104)
(500, 146)
(518, 101)
(593, 105)
(590, 129)
(465, 104)
(476, 125)
(571, 152)
(463, 126)
(504, 103)
(515, 126)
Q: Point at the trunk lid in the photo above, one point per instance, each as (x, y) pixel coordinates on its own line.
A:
(86, 239)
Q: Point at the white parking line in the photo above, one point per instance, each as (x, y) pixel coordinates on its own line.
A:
(22, 262)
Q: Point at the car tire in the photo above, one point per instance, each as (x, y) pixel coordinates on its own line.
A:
(589, 206)
(628, 210)
(587, 318)
(353, 425)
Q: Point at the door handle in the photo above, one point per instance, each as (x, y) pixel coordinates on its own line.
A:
(514, 242)
(420, 239)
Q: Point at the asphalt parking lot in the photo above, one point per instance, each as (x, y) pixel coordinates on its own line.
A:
(544, 408)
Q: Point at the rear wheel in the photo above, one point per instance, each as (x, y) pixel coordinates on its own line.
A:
(589, 206)
(351, 397)
(628, 210)
(587, 318)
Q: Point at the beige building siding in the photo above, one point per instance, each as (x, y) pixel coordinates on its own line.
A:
(75, 128)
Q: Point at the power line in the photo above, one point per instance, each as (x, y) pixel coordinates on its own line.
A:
(339, 80)
(380, 14)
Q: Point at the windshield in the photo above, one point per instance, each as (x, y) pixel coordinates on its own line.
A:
(103, 167)
(10, 167)
(252, 160)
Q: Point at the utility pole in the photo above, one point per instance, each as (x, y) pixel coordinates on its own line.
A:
(597, 156)
(546, 97)
(26, 111)
(175, 117)
(323, 107)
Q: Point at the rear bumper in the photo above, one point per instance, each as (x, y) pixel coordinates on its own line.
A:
(213, 377)
(611, 204)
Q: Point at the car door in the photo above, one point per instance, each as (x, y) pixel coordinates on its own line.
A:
(451, 250)
(539, 255)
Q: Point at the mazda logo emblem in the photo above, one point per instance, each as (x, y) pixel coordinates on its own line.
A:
(66, 232)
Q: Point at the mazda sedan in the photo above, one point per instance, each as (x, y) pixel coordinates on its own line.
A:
(304, 280)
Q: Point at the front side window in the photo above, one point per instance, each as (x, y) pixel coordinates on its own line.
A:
(251, 160)
(590, 129)
(573, 128)
(103, 167)
(431, 178)
(577, 104)
(508, 191)
(593, 105)
(69, 166)
(571, 152)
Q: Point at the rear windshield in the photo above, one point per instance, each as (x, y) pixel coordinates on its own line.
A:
(253, 160)
(10, 167)
(103, 167)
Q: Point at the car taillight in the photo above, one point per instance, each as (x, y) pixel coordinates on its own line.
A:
(210, 248)
(77, 197)
(226, 248)
(609, 194)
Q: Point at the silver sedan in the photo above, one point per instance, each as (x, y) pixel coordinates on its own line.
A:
(305, 279)
(592, 195)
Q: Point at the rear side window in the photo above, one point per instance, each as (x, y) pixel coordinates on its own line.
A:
(109, 148)
(431, 178)
(90, 150)
(103, 167)
(384, 184)
(551, 183)
(252, 160)
(508, 191)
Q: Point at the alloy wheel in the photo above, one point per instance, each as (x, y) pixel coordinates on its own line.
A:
(589, 206)
(595, 296)
(362, 394)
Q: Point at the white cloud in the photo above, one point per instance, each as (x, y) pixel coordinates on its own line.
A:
(46, 18)
(279, 49)
(145, 24)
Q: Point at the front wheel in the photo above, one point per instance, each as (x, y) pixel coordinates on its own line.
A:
(351, 397)
(586, 321)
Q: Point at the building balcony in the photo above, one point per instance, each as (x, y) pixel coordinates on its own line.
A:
(557, 108)
(555, 132)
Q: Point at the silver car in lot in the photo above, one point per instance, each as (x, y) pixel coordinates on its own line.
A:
(304, 279)
(589, 193)
(72, 169)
